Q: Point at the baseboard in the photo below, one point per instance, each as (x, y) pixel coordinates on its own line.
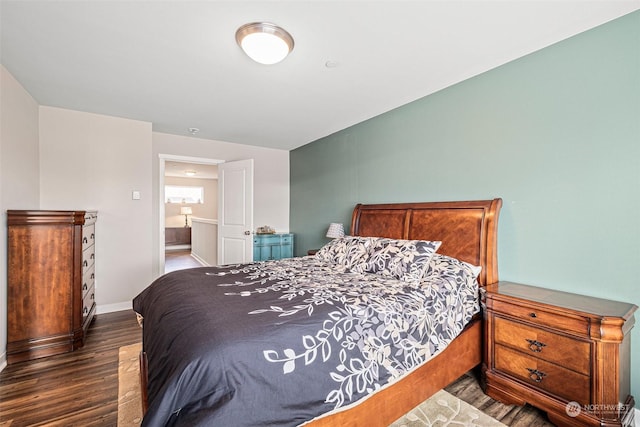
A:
(177, 247)
(110, 308)
(200, 260)
(637, 417)
(3, 361)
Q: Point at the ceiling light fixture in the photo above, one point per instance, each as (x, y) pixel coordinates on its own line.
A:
(264, 42)
(193, 131)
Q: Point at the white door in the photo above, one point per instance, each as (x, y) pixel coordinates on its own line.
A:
(235, 212)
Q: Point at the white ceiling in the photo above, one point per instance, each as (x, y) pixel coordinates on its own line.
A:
(179, 169)
(176, 63)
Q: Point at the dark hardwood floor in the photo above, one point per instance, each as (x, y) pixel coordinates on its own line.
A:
(71, 389)
(81, 388)
(467, 388)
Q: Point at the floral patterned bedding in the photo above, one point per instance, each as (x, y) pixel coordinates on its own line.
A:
(283, 342)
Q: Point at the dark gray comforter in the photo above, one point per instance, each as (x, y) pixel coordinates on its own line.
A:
(279, 343)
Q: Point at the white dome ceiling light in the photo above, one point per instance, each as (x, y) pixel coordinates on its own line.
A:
(264, 42)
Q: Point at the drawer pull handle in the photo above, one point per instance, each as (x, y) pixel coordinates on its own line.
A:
(535, 346)
(93, 236)
(535, 375)
(93, 256)
(85, 263)
(85, 287)
(84, 240)
(532, 314)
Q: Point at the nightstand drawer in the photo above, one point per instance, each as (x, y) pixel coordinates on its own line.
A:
(564, 351)
(541, 317)
(546, 376)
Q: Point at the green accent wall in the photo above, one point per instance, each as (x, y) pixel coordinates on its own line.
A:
(556, 134)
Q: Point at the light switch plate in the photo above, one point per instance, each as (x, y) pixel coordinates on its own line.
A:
(135, 195)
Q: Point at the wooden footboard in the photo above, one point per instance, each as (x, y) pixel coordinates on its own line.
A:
(463, 354)
(144, 378)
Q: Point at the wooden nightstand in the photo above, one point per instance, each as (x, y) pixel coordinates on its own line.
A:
(564, 353)
(312, 251)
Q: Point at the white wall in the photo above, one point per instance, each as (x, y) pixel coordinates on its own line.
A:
(204, 240)
(52, 158)
(208, 209)
(91, 161)
(19, 174)
(271, 176)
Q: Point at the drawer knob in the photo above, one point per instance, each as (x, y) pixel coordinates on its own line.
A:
(535, 375)
(532, 314)
(535, 346)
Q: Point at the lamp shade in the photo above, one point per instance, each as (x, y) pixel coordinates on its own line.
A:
(186, 210)
(335, 231)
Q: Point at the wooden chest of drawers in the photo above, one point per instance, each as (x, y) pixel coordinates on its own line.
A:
(566, 354)
(50, 281)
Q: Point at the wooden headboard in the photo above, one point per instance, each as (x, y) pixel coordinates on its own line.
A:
(468, 230)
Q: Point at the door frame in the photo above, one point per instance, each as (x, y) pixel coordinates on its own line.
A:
(163, 158)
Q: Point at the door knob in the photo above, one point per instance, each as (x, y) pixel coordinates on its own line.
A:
(247, 233)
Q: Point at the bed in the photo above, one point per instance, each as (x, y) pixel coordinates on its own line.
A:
(242, 344)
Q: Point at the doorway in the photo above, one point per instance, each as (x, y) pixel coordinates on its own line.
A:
(177, 223)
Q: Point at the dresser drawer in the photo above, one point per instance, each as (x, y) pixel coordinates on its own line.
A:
(267, 240)
(567, 352)
(286, 239)
(88, 279)
(88, 301)
(88, 258)
(541, 317)
(546, 376)
(88, 236)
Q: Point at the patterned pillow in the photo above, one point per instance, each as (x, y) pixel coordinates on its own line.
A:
(443, 264)
(351, 252)
(406, 260)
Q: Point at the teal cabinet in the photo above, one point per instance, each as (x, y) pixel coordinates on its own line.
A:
(272, 246)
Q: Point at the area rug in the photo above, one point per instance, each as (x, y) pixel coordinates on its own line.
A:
(129, 396)
(444, 409)
(441, 409)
